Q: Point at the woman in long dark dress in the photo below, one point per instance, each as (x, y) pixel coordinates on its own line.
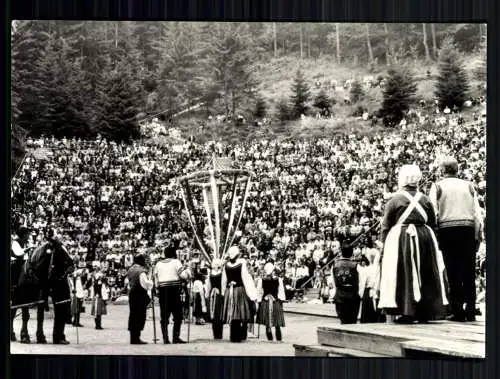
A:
(215, 298)
(272, 294)
(239, 292)
(412, 280)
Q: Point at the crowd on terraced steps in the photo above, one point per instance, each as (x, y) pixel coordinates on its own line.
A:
(110, 200)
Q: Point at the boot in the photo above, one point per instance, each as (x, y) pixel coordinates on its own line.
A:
(164, 332)
(278, 334)
(235, 332)
(217, 331)
(244, 331)
(269, 334)
(135, 338)
(177, 332)
(98, 325)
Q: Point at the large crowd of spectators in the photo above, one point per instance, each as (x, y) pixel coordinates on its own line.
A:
(111, 200)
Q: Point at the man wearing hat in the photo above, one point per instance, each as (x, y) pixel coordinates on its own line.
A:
(346, 281)
(169, 274)
(460, 231)
(139, 299)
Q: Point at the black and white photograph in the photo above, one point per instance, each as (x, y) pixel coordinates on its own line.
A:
(248, 189)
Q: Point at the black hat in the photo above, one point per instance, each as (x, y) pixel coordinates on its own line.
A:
(140, 259)
(347, 249)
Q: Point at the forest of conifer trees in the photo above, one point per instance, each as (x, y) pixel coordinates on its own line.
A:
(86, 77)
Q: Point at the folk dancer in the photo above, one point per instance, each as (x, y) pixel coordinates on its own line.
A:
(239, 294)
(60, 292)
(101, 296)
(77, 286)
(215, 300)
(345, 276)
(271, 296)
(199, 298)
(17, 258)
(460, 232)
(169, 274)
(412, 279)
(139, 299)
(367, 270)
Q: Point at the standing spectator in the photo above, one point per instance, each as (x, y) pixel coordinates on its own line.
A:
(459, 234)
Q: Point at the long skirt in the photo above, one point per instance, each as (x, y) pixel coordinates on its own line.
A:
(76, 305)
(236, 306)
(98, 307)
(215, 306)
(271, 313)
(197, 306)
(413, 277)
(369, 311)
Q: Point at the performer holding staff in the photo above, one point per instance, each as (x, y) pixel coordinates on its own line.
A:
(139, 286)
(345, 273)
(238, 290)
(272, 294)
(412, 281)
(215, 299)
(101, 295)
(170, 274)
(77, 286)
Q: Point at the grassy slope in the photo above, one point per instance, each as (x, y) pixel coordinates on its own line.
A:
(276, 78)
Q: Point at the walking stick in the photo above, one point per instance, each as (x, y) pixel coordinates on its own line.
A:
(155, 339)
(189, 309)
(76, 326)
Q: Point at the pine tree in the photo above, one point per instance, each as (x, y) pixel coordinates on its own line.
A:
(357, 93)
(452, 83)
(301, 95)
(399, 93)
(323, 103)
(260, 108)
(28, 48)
(119, 105)
(283, 110)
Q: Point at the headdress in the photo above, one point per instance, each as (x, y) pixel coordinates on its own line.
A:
(233, 252)
(409, 175)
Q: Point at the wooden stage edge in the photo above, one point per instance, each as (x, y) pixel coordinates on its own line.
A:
(439, 339)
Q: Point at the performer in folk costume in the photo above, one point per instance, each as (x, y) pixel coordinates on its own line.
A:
(77, 289)
(345, 273)
(238, 290)
(412, 278)
(215, 300)
(101, 296)
(170, 274)
(367, 270)
(17, 259)
(199, 298)
(138, 299)
(271, 296)
(460, 232)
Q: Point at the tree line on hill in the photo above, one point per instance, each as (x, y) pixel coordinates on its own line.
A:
(83, 78)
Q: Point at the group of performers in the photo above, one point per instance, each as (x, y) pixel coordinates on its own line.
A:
(232, 297)
(427, 267)
(427, 263)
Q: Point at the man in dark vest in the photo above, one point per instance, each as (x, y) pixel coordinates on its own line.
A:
(138, 298)
(169, 274)
(60, 292)
(346, 281)
(460, 231)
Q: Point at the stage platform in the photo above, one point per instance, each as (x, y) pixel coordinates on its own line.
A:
(440, 339)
